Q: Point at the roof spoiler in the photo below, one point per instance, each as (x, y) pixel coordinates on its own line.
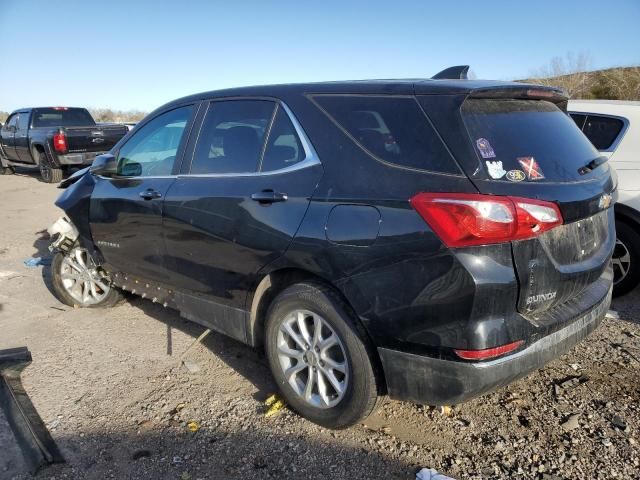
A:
(458, 72)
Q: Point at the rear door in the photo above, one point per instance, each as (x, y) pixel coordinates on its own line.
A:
(530, 148)
(126, 209)
(240, 202)
(22, 138)
(8, 137)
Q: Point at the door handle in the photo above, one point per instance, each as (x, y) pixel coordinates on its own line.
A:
(150, 194)
(269, 196)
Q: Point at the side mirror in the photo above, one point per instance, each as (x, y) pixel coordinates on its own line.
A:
(105, 165)
(132, 169)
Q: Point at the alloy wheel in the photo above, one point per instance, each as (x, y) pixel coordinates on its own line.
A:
(81, 279)
(312, 358)
(621, 262)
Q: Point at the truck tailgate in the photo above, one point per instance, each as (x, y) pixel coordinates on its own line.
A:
(94, 139)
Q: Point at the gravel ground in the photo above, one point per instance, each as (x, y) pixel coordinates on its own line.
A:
(111, 389)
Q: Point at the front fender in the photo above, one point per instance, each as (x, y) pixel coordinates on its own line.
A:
(75, 201)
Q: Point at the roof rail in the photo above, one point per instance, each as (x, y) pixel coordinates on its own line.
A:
(458, 72)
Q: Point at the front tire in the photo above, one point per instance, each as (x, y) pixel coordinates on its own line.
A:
(78, 283)
(626, 259)
(320, 360)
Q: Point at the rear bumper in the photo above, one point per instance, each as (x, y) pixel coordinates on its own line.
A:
(434, 381)
(85, 158)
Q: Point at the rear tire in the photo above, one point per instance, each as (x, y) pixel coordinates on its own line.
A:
(626, 259)
(77, 283)
(48, 174)
(335, 358)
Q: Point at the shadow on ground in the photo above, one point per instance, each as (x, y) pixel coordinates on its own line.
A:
(247, 361)
(217, 454)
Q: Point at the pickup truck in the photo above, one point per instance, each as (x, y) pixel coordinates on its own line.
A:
(54, 139)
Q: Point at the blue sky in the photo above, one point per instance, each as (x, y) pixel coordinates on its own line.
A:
(141, 54)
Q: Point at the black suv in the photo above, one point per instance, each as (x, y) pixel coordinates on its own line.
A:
(429, 240)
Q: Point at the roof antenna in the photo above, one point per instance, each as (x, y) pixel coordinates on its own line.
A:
(458, 72)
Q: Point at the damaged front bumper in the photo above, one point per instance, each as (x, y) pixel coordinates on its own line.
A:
(64, 233)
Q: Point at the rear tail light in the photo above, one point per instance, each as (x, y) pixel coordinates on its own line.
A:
(465, 219)
(60, 142)
(488, 353)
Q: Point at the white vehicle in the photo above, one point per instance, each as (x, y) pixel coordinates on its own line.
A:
(614, 129)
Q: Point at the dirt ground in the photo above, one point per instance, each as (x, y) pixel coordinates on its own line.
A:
(110, 386)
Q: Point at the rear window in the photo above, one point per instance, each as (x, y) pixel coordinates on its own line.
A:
(391, 129)
(526, 140)
(602, 131)
(69, 117)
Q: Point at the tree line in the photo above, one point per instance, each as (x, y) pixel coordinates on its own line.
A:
(103, 115)
(574, 74)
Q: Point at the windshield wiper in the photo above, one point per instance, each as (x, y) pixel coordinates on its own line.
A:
(592, 165)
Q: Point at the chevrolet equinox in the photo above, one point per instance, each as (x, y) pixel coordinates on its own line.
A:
(428, 240)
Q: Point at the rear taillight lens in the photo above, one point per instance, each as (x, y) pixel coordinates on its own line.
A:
(464, 219)
(60, 142)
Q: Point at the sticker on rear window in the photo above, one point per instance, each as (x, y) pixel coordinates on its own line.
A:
(531, 168)
(515, 175)
(486, 150)
(495, 169)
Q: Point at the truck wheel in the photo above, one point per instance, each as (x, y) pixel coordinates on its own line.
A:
(50, 175)
(321, 362)
(77, 282)
(626, 259)
(47, 173)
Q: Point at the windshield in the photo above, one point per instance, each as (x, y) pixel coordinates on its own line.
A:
(62, 117)
(526, 140)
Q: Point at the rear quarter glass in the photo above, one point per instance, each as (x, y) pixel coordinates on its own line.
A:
(533, 137)
(391, 129)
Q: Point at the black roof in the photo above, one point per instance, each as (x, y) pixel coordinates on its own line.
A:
(384, 86)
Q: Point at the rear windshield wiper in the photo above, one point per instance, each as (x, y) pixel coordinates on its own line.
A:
(592, 165)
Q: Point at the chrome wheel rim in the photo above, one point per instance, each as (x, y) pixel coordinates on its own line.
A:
(81, 279)
(621, 262)
(312, 358)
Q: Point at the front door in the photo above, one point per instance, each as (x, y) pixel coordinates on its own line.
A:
(7, 137)
(126, 209)
(238, 206)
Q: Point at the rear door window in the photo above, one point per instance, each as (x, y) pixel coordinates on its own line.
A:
(602, 131)
(391, 129)
(232, 137)
(284, 148)
(532, 138)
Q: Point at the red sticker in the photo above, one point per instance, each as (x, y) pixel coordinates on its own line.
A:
(531, 168)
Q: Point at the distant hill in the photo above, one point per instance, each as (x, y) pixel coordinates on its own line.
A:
(620, 83)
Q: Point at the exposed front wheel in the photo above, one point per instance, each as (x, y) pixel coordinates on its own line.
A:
(626, 255)
(318, 357)
(77, 282)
